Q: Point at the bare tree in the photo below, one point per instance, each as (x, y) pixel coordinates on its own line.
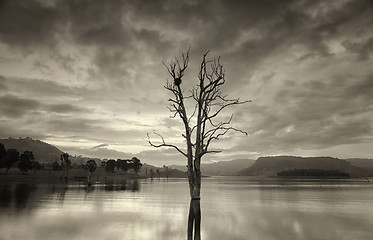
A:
(205, 124)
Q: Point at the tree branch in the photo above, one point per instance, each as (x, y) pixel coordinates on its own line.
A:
(164, 144)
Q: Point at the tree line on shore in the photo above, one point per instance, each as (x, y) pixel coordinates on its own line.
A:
(26, 161)
(122, 164)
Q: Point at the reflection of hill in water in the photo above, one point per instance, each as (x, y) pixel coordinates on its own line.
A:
(27, 196)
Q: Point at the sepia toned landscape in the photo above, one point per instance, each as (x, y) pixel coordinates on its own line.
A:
(186, 119)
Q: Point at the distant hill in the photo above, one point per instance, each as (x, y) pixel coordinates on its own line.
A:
(222, 168)
(43, 152)
(361, 162)
(270, 166)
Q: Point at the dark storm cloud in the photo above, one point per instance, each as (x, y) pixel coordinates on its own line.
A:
(97, 22)
(64, 108)
(315, 114)
(288, 24)
(118, 28)
(10, 129)
(3, 87)
(40, 88)
(27, 24)
(320, 99)
(42, 67)
(37, 23)
(214, 24)
(6, 60)
(67, 61)
(362, 50)
(70, 125)
(114, 50)
(109, 64)
(39, 95)
(362, 88)
(16, 107)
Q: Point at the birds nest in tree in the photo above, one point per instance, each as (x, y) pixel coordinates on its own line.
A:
(177, 81)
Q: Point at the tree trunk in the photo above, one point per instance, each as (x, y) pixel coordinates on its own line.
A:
(195, 185)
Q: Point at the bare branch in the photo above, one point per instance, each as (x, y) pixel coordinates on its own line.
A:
(194, 112)
(212, 151)
(164, 144)
(227, 103)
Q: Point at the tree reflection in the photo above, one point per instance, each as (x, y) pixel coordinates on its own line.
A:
(21, 195)
(135, 185)
(61, 192)
(125, 185)
(194, 219)
(90, 188)
(5, 195)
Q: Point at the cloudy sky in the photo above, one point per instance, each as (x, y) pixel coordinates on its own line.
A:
(87, 76)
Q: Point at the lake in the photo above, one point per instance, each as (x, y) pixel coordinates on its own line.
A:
(232, 208)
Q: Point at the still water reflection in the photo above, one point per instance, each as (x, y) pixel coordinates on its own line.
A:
(232, 208)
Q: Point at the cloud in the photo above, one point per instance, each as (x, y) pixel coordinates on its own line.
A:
(99, 152)
(15, 107)
(314, 114)
(361, 49)
(42, 88)
(28, 24)
(64, 108)
(100, 146)
(106, 29)
(3, 87)
(87, 72)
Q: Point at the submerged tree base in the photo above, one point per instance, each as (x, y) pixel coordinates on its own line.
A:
(194, 219)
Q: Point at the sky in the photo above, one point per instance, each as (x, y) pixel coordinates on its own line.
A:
(88, 77)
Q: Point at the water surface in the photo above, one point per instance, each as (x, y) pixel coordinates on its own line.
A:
(232, 208)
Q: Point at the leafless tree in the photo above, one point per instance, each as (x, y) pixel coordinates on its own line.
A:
(204, 125)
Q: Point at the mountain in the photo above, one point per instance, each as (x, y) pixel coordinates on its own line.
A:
(270, 166)
(222, 168)
(361, 162)
(43, 152)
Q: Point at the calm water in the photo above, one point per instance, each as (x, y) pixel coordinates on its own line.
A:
(232, 208)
